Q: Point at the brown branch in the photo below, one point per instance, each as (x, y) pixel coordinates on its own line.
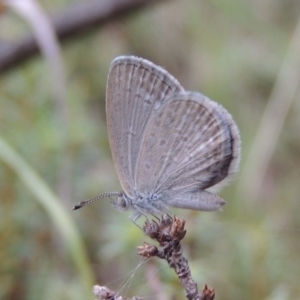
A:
(169, 232)
(75, 21)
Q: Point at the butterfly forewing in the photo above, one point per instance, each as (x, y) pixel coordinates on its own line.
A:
(134, 87)
(188, 145)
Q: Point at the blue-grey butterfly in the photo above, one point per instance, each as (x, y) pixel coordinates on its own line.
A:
(169, 146)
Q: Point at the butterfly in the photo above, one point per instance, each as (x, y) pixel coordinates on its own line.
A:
(169, 146)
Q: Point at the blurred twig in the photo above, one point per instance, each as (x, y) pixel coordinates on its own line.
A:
(45, 38)
(263, 146)
(74, 21)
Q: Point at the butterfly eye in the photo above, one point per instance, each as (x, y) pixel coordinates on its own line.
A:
(122, 203)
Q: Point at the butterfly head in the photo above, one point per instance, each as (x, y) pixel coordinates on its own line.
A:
(122, 203)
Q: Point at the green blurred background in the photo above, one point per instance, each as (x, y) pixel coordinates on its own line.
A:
(242, 53)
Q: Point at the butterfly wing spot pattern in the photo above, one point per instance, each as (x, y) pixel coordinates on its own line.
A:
(168, 145)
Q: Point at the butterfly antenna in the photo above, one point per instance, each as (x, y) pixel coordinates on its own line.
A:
(89, 201)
